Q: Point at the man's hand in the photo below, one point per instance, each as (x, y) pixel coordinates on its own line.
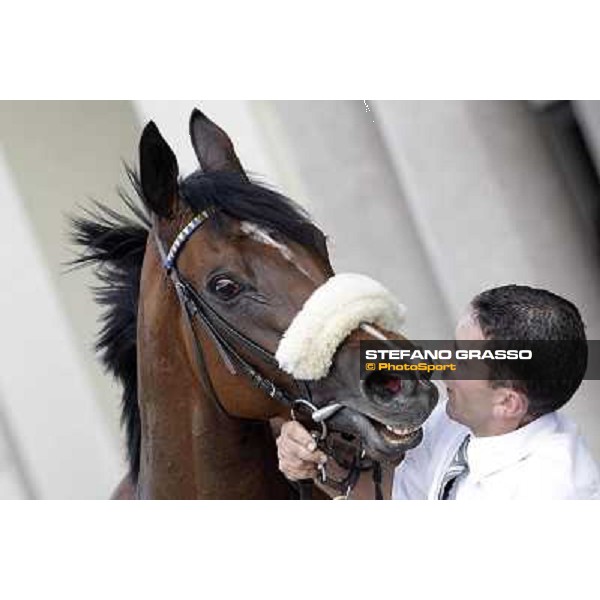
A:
(296, 449)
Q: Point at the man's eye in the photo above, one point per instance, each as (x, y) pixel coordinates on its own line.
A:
(225, 288)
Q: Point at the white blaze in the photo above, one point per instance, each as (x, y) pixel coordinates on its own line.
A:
(264, 237)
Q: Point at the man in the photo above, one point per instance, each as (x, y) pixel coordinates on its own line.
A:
(499, 438)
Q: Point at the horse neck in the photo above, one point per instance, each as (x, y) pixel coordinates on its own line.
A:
(189, 447)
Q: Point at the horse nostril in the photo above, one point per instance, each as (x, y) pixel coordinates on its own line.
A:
(385, 387)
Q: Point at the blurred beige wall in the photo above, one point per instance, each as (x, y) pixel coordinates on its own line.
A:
(59, 155)
(412, 193)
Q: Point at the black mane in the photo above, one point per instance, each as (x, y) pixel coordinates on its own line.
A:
(115, 245)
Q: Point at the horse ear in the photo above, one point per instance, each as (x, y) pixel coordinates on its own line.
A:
(158, 172)
(212, 145)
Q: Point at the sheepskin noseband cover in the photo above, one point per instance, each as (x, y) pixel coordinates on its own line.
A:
(332, 312)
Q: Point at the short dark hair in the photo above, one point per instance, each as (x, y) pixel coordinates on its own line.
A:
(519, 312)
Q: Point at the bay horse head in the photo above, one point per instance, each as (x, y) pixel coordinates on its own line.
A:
(199, 299)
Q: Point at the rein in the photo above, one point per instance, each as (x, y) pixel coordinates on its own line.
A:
(222, 332)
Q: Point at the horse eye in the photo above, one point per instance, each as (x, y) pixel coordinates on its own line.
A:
(225, 288)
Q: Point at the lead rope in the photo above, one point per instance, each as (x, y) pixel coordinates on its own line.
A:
(377, 478)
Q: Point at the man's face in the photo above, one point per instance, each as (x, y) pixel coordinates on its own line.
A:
(470, 402)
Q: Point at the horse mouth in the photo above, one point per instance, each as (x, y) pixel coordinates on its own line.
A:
(402, 404)
(382, 414)
(380, 441)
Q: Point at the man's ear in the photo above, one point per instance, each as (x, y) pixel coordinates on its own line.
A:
(514, 404)
(158, 172)
(212, 146)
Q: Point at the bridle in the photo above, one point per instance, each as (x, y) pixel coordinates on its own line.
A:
(222, 333)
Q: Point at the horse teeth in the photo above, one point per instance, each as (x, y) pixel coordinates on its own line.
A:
(399, 430)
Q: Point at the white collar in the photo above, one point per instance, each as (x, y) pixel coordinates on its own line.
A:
(486, 455)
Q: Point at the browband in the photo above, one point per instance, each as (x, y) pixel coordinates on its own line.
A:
(182, 238)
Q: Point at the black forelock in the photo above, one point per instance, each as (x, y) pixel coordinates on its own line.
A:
(245, 200)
